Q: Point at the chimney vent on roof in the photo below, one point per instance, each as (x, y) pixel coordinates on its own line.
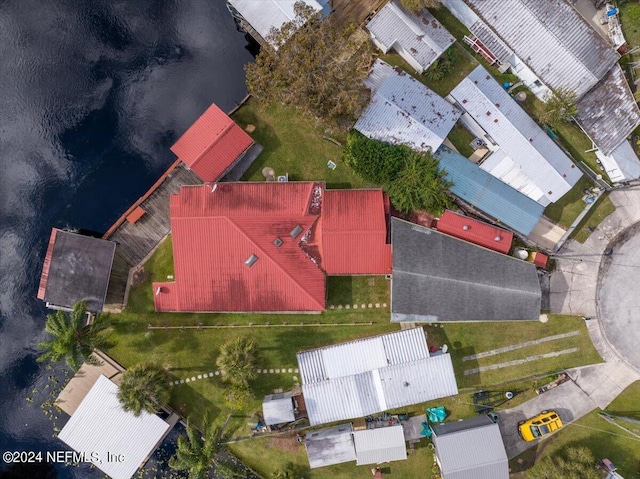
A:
(214, 187)
(296, 231)
(497, 238)
(278, 242)
(465, 227)
(158, 290)
(251, 261)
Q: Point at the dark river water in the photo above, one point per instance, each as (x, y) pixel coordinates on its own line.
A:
(92, 94)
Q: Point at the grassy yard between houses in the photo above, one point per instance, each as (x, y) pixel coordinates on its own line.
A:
(594, 217)
(461, 139)
(566, 209)
(630, 18)
(605, 440)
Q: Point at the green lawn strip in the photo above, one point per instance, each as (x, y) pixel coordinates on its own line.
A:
(627, 403)
(603, 439)
(630, 18)
(566, 209)
(359, 290)
(461, 139)
(295, 145)
(593, 218)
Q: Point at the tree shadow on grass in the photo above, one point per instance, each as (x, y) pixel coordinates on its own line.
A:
(190, 404)
(437, 338)
(339, 290)
(289, 342)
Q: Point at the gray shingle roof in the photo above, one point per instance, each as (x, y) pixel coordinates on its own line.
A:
(551, 38)
(609, 112)
(437, 277)
(329, 446)
(421, 36)
(375, 446)
(471, 449)
(404, 111)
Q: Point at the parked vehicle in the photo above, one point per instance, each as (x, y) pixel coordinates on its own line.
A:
(539, 426)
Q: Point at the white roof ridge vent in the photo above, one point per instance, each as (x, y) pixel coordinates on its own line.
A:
(296, 231)
(251, 261)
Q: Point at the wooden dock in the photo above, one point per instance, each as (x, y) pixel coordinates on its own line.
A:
(141, 228)
(355, 11)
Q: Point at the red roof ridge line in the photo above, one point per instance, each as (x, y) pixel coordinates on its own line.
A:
(44, 276)
(277, 264)
(216, 140)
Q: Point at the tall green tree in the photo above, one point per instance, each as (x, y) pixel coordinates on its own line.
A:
(197, 451)
(416, 6)
(318, 67)
(573, 463)
(144, 387)
(237, 361)
(73, 338)
(420, 185)
(373, 160)
(559, 106)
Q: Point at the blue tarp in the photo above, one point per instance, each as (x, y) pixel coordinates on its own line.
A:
(436, 414)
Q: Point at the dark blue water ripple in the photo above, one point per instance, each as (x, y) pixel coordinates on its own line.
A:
(92, 94)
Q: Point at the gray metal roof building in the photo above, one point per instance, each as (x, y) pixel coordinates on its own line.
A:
(278, 408)
(333, 445)
(527, 158)
(437, 277)
(100, 426)
(487, 193)
(384, 444)
(419, 39)
(471, 449)
(404, 111)
(76, 268)
(371, 375)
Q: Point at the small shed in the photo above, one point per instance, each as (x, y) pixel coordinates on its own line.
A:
(333, 445)
(278, 408)
(475, 231)
(375, 446)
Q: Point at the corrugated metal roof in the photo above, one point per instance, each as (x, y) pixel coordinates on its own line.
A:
(552, 39)
(526, 144)
(330, 446)
(354, 233)
(278, 408)
(101, 426)
(212, 145)
(421, 36)
(491, 41)
(474, 231)
(437, 277)
(366, 376)
(375, 446)
(404, 111)
(489, 194)
(622, 164)
(265, 15)
(474, 453)
(608, 113)
(378, 74)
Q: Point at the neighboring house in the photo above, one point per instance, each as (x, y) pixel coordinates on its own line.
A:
(334, 445)
(474, 231)
(488, 194)
(100, 429)
(278, 408)
(521, 153)
(367, 376)
(259, 18)
(263, 247)
(76, 268)
(214, 145)
(437, 277)
(470, 449)
(549, 46)
(383, 444)
(419, 39)
(403, 111)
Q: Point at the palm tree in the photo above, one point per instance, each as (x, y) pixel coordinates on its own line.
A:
(144, 387)
(196, 452)
(74, 339)
(237, 361)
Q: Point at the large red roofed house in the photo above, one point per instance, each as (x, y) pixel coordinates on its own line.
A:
(474, 231)
(213, 145)
(262, 247)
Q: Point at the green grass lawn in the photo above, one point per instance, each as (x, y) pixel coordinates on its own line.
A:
(295, 145)
(594, 217)
(461, 139)
(630, 17)
(605, 440)
(566, 209)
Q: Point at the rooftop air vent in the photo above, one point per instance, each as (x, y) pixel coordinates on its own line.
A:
(296, 231)
(278, 242)
(465, 227)
(251, 261)
(497, 238)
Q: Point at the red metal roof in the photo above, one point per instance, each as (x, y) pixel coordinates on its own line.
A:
(354, 233)
(216, 232)
(136, 214)
(475, 231)
(540, 259)
(212, 144)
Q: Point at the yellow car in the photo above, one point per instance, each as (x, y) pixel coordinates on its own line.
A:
(539, 426)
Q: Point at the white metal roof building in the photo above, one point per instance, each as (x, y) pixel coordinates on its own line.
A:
(278, 408)
(384, 444)
(524, 156)
(333, 445)
(470, 449)
(100, 425)
(622, 164)
(366, 376)
(404, 111)
(419, 39)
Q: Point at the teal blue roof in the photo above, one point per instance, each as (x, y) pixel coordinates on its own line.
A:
(487, 193)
